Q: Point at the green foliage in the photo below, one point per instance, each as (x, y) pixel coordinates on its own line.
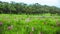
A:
(22, 8)
(19, 25)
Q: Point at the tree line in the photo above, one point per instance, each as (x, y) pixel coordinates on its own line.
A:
(22, 8)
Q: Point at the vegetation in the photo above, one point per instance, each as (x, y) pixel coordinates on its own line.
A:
(29, 24)
(21, 18)
(22, 8)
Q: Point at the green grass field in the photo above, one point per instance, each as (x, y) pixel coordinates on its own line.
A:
(29, 24)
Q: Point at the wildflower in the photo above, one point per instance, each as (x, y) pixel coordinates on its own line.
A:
(0, 23)
(9, 27)
(32, 28)
(40, 32)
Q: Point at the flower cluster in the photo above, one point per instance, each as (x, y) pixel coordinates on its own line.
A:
(9, 27)
(0, 23)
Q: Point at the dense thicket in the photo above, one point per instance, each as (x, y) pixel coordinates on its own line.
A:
(19, 8)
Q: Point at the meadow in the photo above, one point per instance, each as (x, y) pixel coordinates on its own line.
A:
(29, 24)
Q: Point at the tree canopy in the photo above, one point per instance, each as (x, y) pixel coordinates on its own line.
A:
(22, 8)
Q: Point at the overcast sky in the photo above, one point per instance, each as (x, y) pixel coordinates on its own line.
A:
(43, 2)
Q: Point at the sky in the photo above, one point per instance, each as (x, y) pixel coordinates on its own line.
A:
(42, 2)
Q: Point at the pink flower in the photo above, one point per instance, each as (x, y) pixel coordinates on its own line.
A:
(9, 27)
(0, 23)
(40, 32)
